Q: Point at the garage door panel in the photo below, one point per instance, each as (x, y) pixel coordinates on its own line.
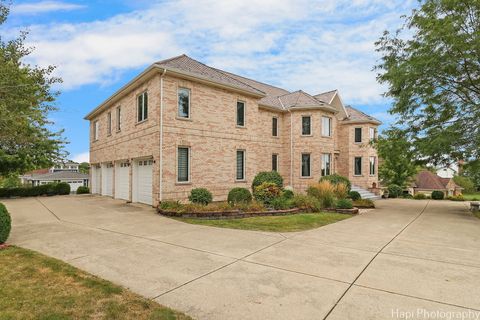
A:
(107, 180)
(122, 180)
(96, 172)
(143, 181)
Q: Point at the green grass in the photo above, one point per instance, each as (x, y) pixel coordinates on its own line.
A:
(33, 286)
(472, 196)
(288, 223)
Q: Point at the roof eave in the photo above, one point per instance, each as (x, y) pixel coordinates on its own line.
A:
(271, 108)
(375, 122)
(317, 107)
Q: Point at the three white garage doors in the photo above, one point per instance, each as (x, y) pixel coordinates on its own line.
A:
(142, 180)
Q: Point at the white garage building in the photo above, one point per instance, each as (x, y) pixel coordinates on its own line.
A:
(74, 179)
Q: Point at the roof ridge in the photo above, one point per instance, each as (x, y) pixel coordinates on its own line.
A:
(237, 75)
(173, 58)
(218, 70)
(327, 92)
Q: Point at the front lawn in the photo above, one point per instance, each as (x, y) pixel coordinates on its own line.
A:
(472, 196)
(33, 286)
(288, 223)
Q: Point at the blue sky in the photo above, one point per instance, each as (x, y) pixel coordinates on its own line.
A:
(98, 46)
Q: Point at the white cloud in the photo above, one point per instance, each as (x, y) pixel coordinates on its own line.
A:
(43, 7)
(314, 46)
(81, 157)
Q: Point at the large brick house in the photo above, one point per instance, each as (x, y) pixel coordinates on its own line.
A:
(181, 124)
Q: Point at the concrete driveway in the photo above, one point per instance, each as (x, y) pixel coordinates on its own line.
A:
(405, 259)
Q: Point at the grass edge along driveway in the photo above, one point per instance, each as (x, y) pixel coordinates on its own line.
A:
(34, 286)
(287, 223)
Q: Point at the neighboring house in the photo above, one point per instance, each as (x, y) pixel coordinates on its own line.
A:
(61, 172)
(74, 179)
(181, 124)
(448, 171)
(427, 181)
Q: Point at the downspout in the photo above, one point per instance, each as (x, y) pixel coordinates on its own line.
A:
(291, 142)
(160, 196)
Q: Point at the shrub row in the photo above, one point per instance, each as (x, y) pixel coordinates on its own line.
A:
(50, 189)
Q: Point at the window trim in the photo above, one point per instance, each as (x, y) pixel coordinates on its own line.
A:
(309, 165)
(144, 115)
(275, 132)
(96, 129)
(374, 133)
(330, 131)
(361, 165)
(374, 166)
(188, 165)
(311, 129)
(355, 135)
(276, 162)
(189, 103)
(244, 114)
(109, 123)
(244, 169)
(119, 118)
(329, 161)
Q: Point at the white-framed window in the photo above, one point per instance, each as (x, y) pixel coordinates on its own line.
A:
(240, 113)
(183, 164)
(358, 135)
(95, 130)
(306, 125)
(357, 166)
(326, 126)
(183, 103)
(240, 172)
(142, 107)
(119, 118)
(306, 165)
(326, 164)
(274, 162)
(372, 133)
(373, 162)
(275, 126)
(109, 123)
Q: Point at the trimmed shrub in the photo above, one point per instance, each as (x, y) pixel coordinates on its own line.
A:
(83, 190)
(336, 179)
(266, 192)
(239, 195)
(437, 195)
(456, 198)
(307, 203)
(287, 194)
(62, 188)
(282, 203)
(344, 204)
(354, 195)
(5, 224)
(419, 196)
(200, 195)
(267, 176)
(407, 196)
(394, 191)
(324, 191)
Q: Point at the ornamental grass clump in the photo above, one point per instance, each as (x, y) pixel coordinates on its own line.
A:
(341, 190)
(324, 191)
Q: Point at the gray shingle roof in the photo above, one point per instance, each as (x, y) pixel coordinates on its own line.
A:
(326, 96)
(186, 64)
(61, 175)
(357, 115)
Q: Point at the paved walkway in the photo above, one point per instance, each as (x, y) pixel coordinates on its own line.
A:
(406, 256)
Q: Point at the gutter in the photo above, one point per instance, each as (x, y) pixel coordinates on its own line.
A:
(160, 196)
(291, 142)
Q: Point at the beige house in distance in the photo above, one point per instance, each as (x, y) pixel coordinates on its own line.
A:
(181, 125)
